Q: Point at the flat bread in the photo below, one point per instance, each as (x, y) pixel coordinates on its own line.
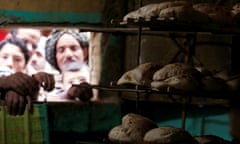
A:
(209, 8)
(118, 135)
(141, 75)
(146, 11)
(178, 82)
(136, 126)
(152, 10)
(218, 14)
(184, 13)
(168, 135)
(174, 69)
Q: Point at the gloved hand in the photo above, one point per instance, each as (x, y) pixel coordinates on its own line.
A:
(45, 80)
(16, 103)
(21, 83)
(83, 92)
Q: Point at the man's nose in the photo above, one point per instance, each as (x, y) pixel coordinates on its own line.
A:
(34, 57)
(68, 52)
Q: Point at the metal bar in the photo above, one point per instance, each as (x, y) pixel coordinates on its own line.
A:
(139, 45)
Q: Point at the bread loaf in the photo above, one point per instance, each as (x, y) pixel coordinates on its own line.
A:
(218, 14)
(136, 126)
(118, 135)
(179, 82)
(132, 130)
(141, 75)
(168, 135)
(153, 10)
(146, 11)
(184, 13)
(174, 69)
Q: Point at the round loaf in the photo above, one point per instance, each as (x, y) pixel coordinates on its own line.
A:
(209, 8)
(152, 10)
(146, 11)
(178, 82)
(218, 14)
(170, 70)
(136, 126)
(141, 75)
(117, 135)
(168, 135)
(184, 13)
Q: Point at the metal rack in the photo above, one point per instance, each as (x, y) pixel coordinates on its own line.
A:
(187, 30)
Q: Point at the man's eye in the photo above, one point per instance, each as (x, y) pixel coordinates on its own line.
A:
(74, 48)
(60, 49)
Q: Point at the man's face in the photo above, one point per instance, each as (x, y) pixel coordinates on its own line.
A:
(30, 36)
(69, 53)
(11, 57)
(37, 61)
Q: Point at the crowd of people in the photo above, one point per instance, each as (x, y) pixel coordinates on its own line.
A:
(45, 65)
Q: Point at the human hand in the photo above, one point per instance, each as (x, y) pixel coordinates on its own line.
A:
(16, 103)
(45, 80)
(21, 83)
(83, 92)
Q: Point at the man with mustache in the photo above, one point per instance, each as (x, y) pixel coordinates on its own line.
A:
(67, 50)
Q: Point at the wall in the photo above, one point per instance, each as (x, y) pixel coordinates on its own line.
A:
(56, 11)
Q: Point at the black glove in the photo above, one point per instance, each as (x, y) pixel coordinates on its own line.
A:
(16, 103)
(45, 80)
(83, 92)
(21, 83)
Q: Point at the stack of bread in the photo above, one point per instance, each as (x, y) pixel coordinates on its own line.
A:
(137, 129)
(178, 76)
(153, 10)
(184, 10)
(181, 10)
(132, 129)
(217, 14)
(168, 135)
(141, 75)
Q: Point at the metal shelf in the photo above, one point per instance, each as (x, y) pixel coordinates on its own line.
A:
(168, 95)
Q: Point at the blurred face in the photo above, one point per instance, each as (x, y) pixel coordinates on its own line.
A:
(12, 57)
(37, 61)
(69, 53)
(30, 36)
